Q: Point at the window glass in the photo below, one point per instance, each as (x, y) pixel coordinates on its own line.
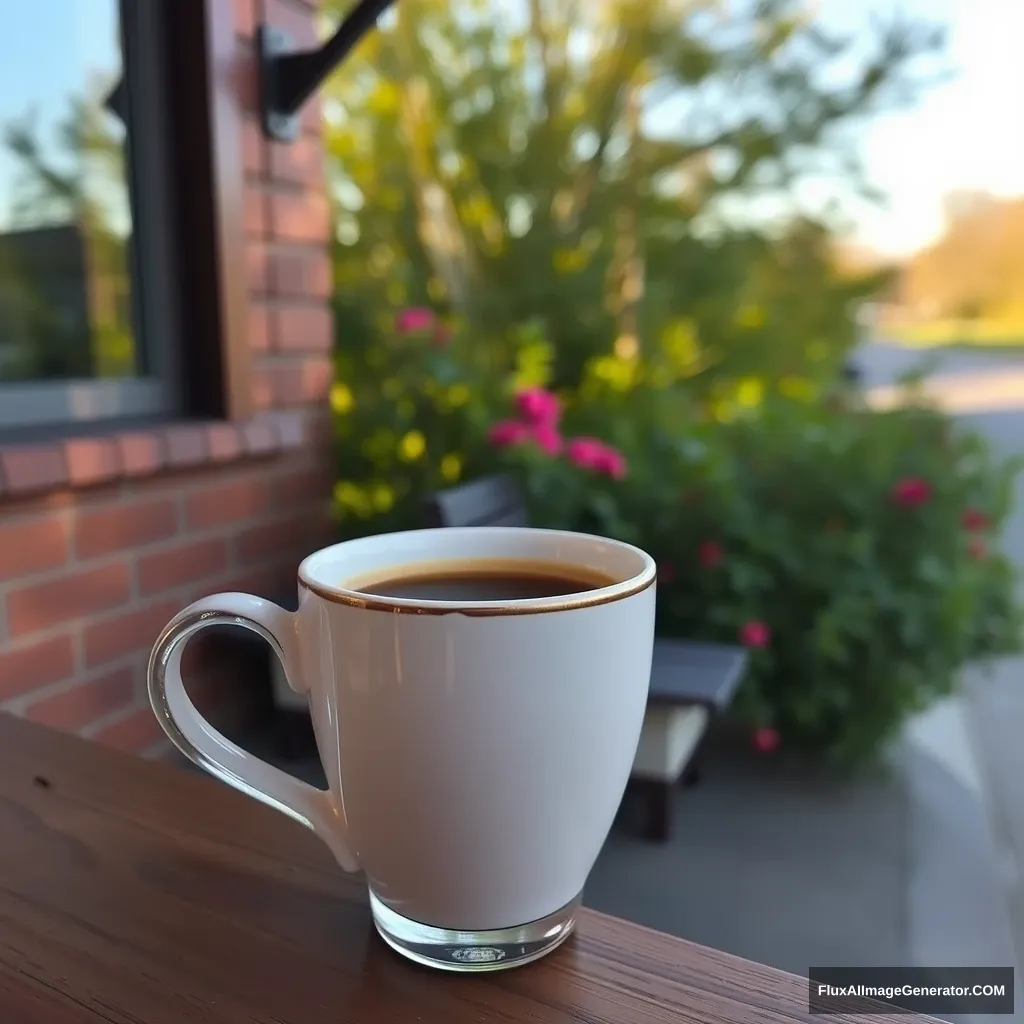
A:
(65, 212)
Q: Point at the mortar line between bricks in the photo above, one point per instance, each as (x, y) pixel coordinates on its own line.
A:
(51, 576)
(41, 637)
(114, 718)
(161, 749)
(65, 569)
(81, 494)
(185, 537)
(20, 704)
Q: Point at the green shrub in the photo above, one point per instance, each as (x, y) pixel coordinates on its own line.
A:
(854, 551)
(412, 405)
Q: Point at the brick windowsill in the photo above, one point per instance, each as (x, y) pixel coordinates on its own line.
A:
(27, 470)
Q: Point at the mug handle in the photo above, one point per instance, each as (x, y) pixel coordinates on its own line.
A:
(193, 735)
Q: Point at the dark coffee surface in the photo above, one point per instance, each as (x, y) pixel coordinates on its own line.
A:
(483, 583)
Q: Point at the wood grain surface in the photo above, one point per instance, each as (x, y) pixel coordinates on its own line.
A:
(139, 893)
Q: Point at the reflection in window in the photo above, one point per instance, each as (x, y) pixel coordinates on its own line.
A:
(65, 215)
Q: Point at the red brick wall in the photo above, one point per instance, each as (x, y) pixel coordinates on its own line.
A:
(103, 539)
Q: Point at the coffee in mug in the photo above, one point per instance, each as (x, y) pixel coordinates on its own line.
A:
(477, 696)
(484, 581)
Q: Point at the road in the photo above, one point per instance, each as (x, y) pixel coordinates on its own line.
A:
(986, 390)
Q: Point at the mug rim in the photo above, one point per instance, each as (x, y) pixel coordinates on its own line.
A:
(618, 591)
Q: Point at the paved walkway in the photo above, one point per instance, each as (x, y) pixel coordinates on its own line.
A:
(987, 391)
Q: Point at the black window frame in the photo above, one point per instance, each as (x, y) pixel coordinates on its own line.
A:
(62, 407)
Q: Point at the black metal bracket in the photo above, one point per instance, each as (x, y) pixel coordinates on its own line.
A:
(288, 78)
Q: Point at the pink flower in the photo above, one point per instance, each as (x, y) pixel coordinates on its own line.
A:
(709, 553)
(583, 452)
(766, 740)
(547, 438)
(911, 491)
(974, 519)
(755, 634)
(508, 432)
(414, 319)
(538, 407)
(611, 462)
(977, 548)
(666, 572)
(589, 453)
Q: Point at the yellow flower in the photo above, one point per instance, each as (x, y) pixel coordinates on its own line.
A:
(680, 343)
(412, 446)
(451, 467)
(341, 399)
(383, 497)
(458, 394)
(350, 497)
(751, 316)
(569, 261)
(723, 411)
(750, 392)
(796, 387)
(385, 98)
(618, 374)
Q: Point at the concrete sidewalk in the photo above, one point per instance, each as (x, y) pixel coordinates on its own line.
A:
(898, 867)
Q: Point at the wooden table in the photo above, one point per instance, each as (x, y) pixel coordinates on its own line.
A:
(139, 893)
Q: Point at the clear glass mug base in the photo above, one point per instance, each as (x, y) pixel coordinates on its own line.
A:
(470, 952)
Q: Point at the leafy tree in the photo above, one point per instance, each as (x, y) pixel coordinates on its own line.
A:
(586, 162)
(975, 271)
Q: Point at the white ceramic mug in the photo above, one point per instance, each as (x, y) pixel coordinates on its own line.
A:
(475, 752)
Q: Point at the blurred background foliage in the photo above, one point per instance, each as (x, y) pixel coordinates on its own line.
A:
(589, 165)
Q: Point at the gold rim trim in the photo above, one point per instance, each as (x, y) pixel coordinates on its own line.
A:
(383, 604)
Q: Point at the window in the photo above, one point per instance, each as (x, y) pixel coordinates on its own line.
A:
(86, 283)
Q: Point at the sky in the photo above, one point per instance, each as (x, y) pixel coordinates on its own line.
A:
(49, 51)
(967, 133)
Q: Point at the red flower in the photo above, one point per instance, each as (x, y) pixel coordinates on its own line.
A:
(977, 548)
(755, 634)
(547, 438)
(911, 491)
(589, 453)
(766, 740)
(414, 319)
(974, 519)
(666, 572)
(709, 553)
(508, 432)
(538, 407)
